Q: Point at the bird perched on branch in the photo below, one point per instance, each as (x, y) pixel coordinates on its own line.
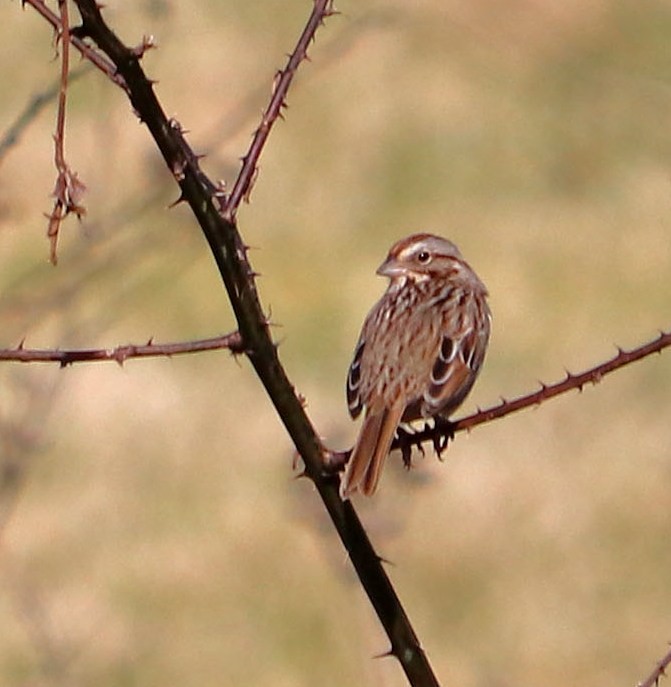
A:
(420, 350)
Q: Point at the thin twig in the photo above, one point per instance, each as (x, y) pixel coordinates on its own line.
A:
(658, 673)
(68, 190)
(249, 170)
(119, 354)
(32, 109)
(101, 62)
(546, 392)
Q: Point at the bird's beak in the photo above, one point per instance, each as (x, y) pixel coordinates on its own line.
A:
(391, 268)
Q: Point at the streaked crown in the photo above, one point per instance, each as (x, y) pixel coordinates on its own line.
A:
(421, 256)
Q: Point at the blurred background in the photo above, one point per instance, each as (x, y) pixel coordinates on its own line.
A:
(151, 528)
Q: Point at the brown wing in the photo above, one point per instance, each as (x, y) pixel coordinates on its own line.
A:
(457, 365)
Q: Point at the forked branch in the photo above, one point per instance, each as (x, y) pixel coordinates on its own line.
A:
(216, 218)
(93, 56)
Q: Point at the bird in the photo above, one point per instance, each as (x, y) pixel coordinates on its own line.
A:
(419, 353)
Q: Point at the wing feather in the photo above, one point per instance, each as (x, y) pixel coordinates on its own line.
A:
(458, 362)
(354, 402)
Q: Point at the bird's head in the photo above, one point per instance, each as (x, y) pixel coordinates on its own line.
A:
(420, 257)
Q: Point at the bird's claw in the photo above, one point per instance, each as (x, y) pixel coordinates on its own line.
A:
(443, 434)
(405, 444)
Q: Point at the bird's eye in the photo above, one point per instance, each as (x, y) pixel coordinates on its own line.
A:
(424, 257)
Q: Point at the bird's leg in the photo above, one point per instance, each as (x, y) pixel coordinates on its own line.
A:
(404, 437)
(443, 434)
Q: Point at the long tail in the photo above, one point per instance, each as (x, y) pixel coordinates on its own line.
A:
(370, 451)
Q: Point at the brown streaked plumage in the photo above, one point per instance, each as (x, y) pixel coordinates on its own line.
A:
(420, 350)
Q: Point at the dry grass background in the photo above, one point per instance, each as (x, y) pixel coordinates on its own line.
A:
(159, 537)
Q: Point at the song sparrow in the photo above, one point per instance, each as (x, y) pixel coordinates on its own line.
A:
(420, 349)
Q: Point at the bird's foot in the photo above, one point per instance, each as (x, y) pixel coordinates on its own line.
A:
(443, 434)
(405, 440)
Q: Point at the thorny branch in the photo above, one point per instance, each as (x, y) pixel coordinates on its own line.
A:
(119, 354)
(248, 173)
(230, 254)
(658, 673)
(440, 434)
